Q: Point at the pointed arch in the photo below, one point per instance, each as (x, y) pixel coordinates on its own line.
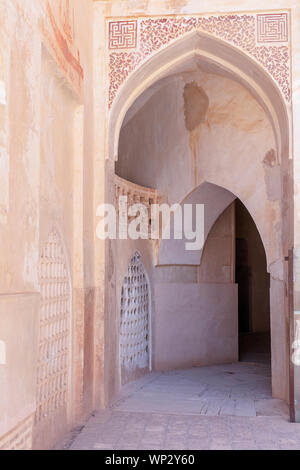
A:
(216, 200)
(220, 56)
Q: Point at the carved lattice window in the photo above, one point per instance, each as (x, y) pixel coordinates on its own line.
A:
(134, 327)
(54, 334)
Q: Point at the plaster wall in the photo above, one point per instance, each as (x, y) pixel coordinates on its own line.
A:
(216, 267)
(56, 205)
(19, 220)
(195, 325)
(228, 148)
(279, 348)
(44, 133)
(198, 155)
(19, 328)
(188, 331)
(214, 201)
(218, 259)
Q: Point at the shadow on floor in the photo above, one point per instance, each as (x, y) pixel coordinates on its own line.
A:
(255, 347)
(217, 407)
(240, 389)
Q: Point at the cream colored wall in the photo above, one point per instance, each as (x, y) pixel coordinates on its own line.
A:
(218, 258)
(66, 203)
(19, 331)
(214, 200)
(19, 222)
(191, 301)
(24, 215)
(19, 229)
(220, 270)
(232, 136)
(195, 325)
(44, 135)
(57, 193)
(296, 182)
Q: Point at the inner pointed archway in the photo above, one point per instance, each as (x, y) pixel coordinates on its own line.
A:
(253, 282)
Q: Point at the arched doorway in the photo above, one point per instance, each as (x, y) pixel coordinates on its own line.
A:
(222, 290)
(253, 282)
(233, 146)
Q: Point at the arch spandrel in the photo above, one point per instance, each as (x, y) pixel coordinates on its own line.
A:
(222, 57)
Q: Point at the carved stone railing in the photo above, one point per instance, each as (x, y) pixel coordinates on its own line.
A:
(136, 194)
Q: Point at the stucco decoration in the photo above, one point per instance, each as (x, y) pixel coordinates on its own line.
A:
(264, 37)
(134, 322)
(122, 34)
(272, 27)
(54, 335)
(135, 194)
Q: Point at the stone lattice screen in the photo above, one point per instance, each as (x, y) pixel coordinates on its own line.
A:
(134, 322)
(54, 334)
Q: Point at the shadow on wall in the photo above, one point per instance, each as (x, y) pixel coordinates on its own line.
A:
(251, 275)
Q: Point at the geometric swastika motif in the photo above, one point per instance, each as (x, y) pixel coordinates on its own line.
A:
(272, 27)
(264, 37)
(123, 34)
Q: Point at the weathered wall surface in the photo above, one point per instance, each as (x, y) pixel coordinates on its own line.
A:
(195, 324)
(192, 301)
(20, 153)
(19, 225)
(218, 258)
(57, 192)
(19, 331)
(233, 136)
(55, 96)
(45, 81)
(214, 200)
(134, 295)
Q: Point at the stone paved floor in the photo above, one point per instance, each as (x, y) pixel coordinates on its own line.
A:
(220, 407)
(242, 389)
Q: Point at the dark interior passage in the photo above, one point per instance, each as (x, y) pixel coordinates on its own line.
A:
(254, 289)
